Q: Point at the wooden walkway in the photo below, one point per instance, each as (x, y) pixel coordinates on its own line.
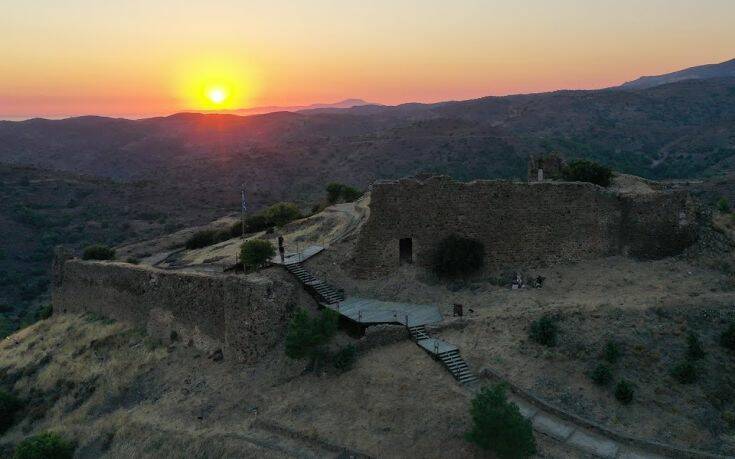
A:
(371, 312)
(296, 257)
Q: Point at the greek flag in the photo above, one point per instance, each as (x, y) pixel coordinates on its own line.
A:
(244, 203)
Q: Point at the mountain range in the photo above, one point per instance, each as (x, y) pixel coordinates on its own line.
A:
(347, 103)
(95, 179)
(721, 70)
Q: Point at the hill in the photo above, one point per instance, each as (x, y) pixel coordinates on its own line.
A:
(721, 70)
(41, 208)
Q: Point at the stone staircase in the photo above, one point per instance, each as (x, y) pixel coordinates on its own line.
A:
(325, 292)
(451, 359)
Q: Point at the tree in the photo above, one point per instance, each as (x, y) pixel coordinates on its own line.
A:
(458, 256)
(307, 335)
(498, 426)
(582, 170)
(255, 253)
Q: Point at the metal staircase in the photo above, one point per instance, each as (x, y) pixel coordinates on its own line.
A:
(325, 292)
(457, 367)
(452, 360)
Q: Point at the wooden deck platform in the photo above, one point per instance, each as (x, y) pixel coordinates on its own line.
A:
(369, 311)
(297, 257)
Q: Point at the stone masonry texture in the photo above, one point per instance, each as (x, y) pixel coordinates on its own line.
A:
(521, 225)
(245, 316)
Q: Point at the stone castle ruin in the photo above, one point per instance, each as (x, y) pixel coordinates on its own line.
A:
(520, 224)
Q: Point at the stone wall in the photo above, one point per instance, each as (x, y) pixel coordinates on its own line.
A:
(520, 224)
(245, 316)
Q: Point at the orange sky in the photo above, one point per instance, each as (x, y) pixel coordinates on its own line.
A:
(140, 58)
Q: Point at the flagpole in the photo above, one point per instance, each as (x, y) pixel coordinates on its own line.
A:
(242, 210)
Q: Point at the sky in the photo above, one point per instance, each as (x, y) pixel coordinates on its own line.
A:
(139, 58)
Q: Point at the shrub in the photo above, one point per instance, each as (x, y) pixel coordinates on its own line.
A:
(345, 358)
(544, 331)
(6, 326)
(338, 192)
(582, 170)
(282, 213)
(334, 190)
(685, 372)
(727, 339)
(44, 312)
(458, 256)
(624, 392)
(132, 260)
(98, 252)
(47, 445)
(9, 405)
(256, 223)
(306, 335)
(350, 194)
(206, 238)
(255, 253)
(611, 352)
(723, 205)
(601, 375)
(694, 347)
(498, 426)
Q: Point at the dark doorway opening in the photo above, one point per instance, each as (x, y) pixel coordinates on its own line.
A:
(405, 249)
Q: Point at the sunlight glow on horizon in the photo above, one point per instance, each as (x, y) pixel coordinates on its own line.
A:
(136, 57)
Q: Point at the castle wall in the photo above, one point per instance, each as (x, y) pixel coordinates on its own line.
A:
(245, 316)
(520, 224)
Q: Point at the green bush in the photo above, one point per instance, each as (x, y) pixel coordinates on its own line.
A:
(47, 445)
(345, 358)
(727, 339)
(544, 331)
(306, 335)
(98, 252)
(256, 223)
(337, 192)
(611, 352)
(685, 372)
(9, 405)
(44, 312)
(498, 426)
(255, 253)
(694, 347)
(601, 375)
(206, 238)
(458, 256)
(723, 205)
(350, 194)
(334, 191)
(582, 170)
(282, 213)
(132, 260)
(6, 326)
(624, 392)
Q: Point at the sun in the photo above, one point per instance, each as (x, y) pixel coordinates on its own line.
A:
(217, 95)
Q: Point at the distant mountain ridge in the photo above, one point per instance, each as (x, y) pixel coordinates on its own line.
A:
(722, 70)
(347, 103)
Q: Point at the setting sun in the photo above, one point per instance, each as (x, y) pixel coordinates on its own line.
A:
(217, 95)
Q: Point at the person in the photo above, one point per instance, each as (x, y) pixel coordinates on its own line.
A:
(458, 310)
(281, 249)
